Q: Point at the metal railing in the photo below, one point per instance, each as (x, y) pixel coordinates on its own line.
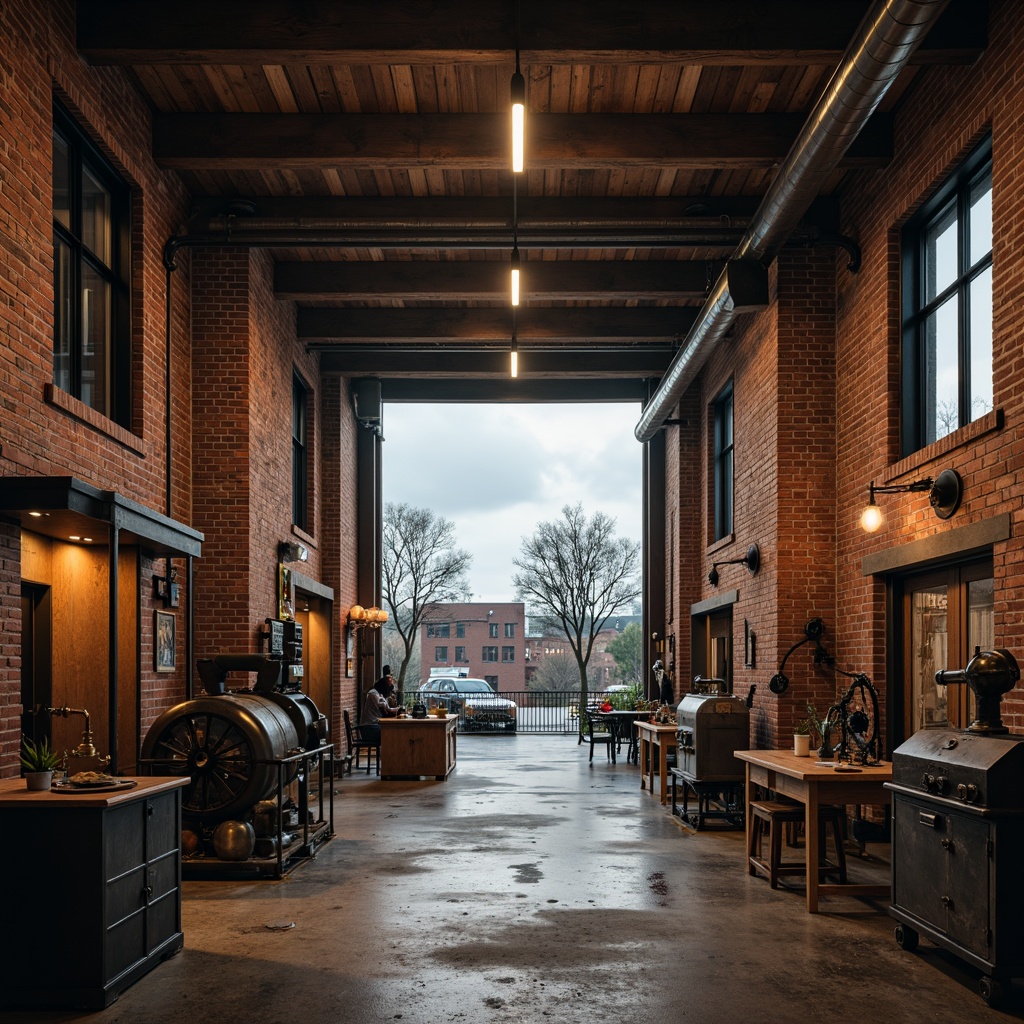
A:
(536, 711)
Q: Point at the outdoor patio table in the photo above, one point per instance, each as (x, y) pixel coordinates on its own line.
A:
(626, 720)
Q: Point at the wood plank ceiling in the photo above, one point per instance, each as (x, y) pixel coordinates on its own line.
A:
(366, 146)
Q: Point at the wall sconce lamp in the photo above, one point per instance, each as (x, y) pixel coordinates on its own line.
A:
(944, 494)
(752, 560)
(366, 618)
(292, 551)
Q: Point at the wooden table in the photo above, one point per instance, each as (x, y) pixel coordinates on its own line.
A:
(662, 737)
(802, 780)
(413, 747)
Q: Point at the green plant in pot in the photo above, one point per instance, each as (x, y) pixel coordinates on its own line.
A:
(802, 738)
(39, 762)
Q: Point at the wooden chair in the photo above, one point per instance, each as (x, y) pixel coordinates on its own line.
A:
(601, 730)
(356, 744)
(773, 817)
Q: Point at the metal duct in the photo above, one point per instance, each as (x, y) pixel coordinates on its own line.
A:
(880, 49)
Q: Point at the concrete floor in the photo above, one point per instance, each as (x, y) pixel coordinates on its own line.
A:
(532, 886)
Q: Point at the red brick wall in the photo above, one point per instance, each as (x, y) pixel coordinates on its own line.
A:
(47, 433)
(948, 110)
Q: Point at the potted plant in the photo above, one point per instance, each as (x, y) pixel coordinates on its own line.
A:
(802, 738)
(39, 761)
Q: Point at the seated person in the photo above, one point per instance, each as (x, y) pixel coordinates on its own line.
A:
(375, 707)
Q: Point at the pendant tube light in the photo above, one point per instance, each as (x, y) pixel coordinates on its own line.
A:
(514, 264)
(518, 93)
(513, 359)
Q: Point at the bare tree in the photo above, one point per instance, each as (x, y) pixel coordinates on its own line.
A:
(557, 673)
(421, 567)
(574, 573)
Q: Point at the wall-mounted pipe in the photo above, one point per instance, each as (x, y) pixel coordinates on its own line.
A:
(880, 49)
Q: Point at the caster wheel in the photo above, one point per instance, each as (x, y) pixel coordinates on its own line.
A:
(991, 991)
(906, 938)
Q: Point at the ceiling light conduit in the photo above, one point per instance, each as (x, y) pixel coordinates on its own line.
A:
(880, 49)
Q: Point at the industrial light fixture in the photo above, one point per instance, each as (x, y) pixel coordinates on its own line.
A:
(513, 361)
(944, 495)
(366, 618)
(752, 560)
(292, 551)
(515, 267)
(517, 91)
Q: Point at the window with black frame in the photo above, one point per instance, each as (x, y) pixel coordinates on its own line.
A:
(92, 257)
(723, 465)
(300, 453)
(947, 306)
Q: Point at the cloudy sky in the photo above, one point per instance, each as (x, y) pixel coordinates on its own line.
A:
(496, 471)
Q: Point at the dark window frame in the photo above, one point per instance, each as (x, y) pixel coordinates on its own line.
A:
(441, 654)
(300, 452)
(489, 653)
(508, 654)
(723, 440)
(84, 155)
(918, 414)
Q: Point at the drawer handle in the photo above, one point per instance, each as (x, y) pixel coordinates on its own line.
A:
(929, 819)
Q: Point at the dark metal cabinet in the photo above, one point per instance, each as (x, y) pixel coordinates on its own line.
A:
(92, 887)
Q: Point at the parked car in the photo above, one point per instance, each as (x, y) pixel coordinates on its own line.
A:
(473, 700)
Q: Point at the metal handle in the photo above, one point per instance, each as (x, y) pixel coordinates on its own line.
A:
(929, 819)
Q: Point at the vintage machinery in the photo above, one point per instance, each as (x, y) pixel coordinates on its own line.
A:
(243, 749)
(711, 725)
(958, 827)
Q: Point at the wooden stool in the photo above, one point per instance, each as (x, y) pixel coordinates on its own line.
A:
(776, 816)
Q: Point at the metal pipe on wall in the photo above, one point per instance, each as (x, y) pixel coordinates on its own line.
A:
(880, 49)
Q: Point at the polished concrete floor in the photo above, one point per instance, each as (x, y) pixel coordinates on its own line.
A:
(533, 886)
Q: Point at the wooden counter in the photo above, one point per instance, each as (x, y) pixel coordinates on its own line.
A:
(90, 883)
(414, 747)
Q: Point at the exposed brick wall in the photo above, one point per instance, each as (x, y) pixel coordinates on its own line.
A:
(946, 113)
(40, 435)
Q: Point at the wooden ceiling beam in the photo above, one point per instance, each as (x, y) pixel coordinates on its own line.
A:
(728, 32)
(459, 142)
(638, 362)
(419, 280)
(493, 324)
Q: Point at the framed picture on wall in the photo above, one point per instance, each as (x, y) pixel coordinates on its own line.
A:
(164, 645)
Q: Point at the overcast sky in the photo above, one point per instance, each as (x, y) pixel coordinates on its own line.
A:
(496, 471)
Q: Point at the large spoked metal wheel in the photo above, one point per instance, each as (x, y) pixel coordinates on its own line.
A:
(220, 744)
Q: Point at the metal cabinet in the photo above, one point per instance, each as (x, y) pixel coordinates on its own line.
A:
(91, 886)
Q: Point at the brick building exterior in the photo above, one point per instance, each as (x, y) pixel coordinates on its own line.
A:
(483, 641)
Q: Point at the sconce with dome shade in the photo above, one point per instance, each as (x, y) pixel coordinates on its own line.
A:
(752, 560)
(945, 493)
(292, 551)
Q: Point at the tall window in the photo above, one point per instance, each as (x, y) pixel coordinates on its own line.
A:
(492, 629)
(460, 654)
(440, 654)
(508, 654)
(510, 630)
(460, 630)
(91, 231)
(300, 454)
(489, 654)
(947, 306)
(723, 468)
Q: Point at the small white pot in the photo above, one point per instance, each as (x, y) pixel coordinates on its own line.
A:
(38, 780)
(801, 745)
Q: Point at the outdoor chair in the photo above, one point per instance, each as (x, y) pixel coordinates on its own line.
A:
(601, 730)
(356, 744)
